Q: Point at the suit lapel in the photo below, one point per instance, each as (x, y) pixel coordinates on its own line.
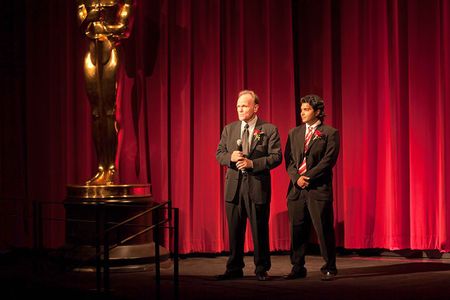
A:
(313, 138)
(302, 140)
(258, 126)
(236, 135)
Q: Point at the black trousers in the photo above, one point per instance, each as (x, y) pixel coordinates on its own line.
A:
(302, 213)
(238, 212)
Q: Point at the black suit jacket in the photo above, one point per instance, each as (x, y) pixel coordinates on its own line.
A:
(265, 153)
(321, 156)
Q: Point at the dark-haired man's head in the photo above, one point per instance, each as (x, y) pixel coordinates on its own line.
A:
(312, 109)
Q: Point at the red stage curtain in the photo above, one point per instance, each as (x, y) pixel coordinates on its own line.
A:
(381, 66)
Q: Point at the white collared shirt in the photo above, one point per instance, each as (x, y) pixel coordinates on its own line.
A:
(313, 126)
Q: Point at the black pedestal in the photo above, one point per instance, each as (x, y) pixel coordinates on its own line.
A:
(92, 217)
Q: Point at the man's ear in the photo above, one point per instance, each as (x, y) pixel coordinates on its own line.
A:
(255, 108)
(317, 113)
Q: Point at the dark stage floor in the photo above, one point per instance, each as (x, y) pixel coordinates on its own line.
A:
(387, 276)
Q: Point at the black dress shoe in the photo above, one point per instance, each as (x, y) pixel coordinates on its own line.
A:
(230, 275)
(328, 276)
(295, 275)
(262, 276)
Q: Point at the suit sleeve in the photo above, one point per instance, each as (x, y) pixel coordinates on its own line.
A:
(274, 155)
(291, 165)
(223, 156)
(329, 159)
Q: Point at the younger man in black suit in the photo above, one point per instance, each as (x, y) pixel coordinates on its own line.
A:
(311, 152)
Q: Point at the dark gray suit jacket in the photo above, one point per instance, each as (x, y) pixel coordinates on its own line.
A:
(321, 156)
(265, 153)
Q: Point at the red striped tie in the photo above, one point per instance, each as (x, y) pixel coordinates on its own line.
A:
(302, 168)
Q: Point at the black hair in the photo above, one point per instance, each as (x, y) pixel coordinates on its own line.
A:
(316, 103)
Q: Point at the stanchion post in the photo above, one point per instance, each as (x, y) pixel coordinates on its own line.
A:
(157, 254)
(176, 252)
(105, 252)
(37, 232)
(98, 235)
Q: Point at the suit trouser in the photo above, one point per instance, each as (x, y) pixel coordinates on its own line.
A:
(258, 215)
(302, 213)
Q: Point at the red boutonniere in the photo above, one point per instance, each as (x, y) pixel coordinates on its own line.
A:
(318, 134)
(257, 134)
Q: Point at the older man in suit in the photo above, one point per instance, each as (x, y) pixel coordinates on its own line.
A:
(250, 148)
(311, 152)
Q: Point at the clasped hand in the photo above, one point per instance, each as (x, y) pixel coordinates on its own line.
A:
(241, 161)
(303, 181)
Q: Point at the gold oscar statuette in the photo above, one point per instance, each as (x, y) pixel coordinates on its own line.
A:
(104, 23)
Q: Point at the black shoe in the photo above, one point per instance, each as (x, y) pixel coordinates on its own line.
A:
(296, 275)
(230, 275)
(262, 276)
(325, 268)
(328, 276)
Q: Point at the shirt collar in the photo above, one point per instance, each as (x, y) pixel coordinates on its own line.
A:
(314, 126)
(251, 123)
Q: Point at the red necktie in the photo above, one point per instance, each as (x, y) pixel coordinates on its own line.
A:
(302, 168)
